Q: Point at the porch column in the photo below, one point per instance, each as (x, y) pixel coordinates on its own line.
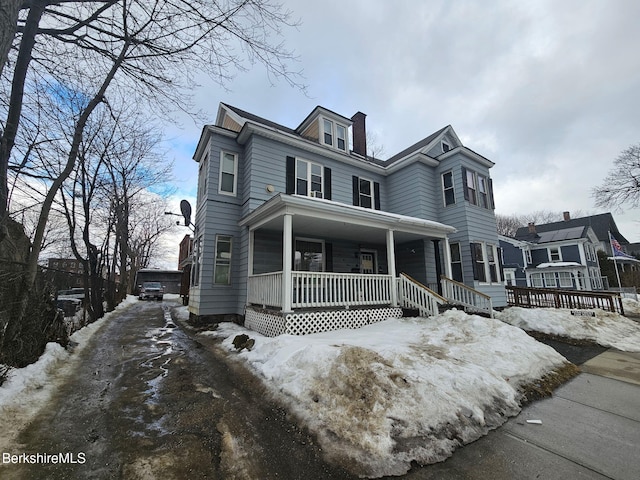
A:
(250, 263)
(447, 259)
(391, 262)
(287, 255)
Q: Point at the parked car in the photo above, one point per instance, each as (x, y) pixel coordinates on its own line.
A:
(68, 305)
(151, 290)
(71, 293)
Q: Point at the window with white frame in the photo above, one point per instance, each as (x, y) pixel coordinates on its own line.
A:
(366, 192)
(446, 146)
(554, 254)
(483, 195)
(550, 279)
(228, 173)
(565, 279)
(447, 188)
(536, 280)
(222, 263)
(309, 178)
(309, 255)
(485, 262)
(477, 189)
(334, 134)
(527, 254)
(203, 175)
(456, 262)
(197, 261)
(471, 187)
(477, 254)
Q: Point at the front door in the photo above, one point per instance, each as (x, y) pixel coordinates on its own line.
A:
(368, 261)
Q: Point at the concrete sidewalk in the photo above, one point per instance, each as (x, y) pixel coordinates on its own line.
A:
(589, 429)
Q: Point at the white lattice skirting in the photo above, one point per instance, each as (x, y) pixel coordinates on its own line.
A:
(272, 324)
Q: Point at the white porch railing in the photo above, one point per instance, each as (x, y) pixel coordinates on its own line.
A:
(458, 293)
(321, 289)
(265, 289)
(412, 294)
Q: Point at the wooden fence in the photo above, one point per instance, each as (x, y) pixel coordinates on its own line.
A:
(556, 298)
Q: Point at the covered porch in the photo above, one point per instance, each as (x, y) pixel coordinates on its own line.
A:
(309, 254)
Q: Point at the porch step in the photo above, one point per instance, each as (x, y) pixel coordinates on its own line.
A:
(410, 312)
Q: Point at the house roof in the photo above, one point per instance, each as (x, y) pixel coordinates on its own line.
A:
(601, 225)
(329, 218)
(413, 149)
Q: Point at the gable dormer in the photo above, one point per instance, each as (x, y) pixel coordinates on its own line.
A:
(327, 128)
(229, 119)
(446, 141)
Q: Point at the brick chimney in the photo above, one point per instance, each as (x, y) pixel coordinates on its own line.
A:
(359, 131)
(532, 227)
(566, 216)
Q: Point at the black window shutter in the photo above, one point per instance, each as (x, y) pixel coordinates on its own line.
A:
(465, 187)
(500, 264)
(376, 195)
(291, 175)
(490, 184)
(328, 251)
(327, 183)
(356, 190)
(473, 260)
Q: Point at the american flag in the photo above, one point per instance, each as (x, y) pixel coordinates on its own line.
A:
(617, 248)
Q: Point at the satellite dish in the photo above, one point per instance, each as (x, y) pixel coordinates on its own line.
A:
(185, 208)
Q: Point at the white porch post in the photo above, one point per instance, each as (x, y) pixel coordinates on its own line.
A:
(447, 259)
(250, 263)
(287, 254)
(391, 262)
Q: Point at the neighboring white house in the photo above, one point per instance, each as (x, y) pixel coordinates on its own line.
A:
(297, 230)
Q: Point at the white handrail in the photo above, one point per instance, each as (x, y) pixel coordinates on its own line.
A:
(412, 294)
(460, 294)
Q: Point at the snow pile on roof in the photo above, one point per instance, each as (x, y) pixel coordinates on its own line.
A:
(27, 389)
(402, 390)
(606, 328)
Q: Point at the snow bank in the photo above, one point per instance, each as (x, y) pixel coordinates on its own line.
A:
(631, 307)
(606, 328)
(27, 389)
(402, 390)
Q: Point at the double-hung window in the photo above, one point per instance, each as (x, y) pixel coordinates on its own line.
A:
(203, 175)
(486, 267)
(447, 188)
(228, 173)
(477, 254)
(222, 264)
(334, 134)
(554, 254)
(309, 178)
(565, 279)
(477, 189)
(456, 262)
(366, 193)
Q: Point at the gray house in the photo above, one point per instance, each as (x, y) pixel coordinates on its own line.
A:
(298, 230)
(563, 257)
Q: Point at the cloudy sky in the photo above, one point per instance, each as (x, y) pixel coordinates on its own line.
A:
(548, 90)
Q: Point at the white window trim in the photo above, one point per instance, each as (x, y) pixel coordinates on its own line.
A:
(308, 179)
(559, 254)
(235, 174)
(562, 276)
(311, 240)
(228, 238)
(371, 189)
(485, 261)
(203, 176)
(334, 134)
(444, 189)
(443, 144)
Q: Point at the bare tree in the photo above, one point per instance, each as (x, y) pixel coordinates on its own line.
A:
(146, 50)
(507, 225)
(622, 184)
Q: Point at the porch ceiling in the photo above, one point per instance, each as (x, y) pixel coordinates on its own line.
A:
(324, 218)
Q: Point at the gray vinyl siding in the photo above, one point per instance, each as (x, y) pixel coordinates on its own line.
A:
(412, 191)
(410, 259)
(267, 254)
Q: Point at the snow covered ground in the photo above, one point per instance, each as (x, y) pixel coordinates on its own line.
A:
(384, 395)
(606, 328)
(400, 390)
